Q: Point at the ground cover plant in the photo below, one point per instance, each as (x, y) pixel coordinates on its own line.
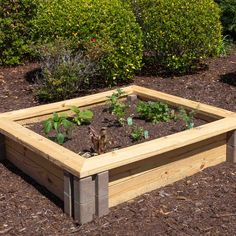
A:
(116, 124)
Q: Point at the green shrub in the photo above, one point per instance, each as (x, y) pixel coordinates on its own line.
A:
(105, 29)
(14, 30)
(178, 33)
(228, 16)
(63, 72)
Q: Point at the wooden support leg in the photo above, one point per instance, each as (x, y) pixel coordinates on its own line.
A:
(2, 147)
(68, 193)
(101, 194)
(231, 147)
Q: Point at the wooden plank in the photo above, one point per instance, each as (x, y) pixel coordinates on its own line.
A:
(121, 173)
(42, 176)
(67, 112)
(61, 106)
(155, 147)
(42, 146)
(207, 110)
(37, 159)
(165, 174)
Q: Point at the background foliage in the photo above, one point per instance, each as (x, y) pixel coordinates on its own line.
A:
(177, 34)
(15, 16)
(228, 16)
(106, 30)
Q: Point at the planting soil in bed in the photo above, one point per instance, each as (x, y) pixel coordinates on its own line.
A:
(118, 136)
(203, 204)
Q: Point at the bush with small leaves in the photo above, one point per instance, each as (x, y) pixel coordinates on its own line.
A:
(106, 30)
(178, 34)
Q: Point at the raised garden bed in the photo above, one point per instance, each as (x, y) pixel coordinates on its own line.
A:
(91, 186)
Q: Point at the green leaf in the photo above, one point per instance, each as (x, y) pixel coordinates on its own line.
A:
(86, 115)
(67, 124)
(60, 138)
(55, 117)
(75, 109)
(47, 126)
(56, 125)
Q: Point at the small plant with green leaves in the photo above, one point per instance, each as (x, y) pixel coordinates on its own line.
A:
(117, 108)
(187, 117)
(154, 111)
(137, 133)
(114, 98)
(82, 117)
(60, 124)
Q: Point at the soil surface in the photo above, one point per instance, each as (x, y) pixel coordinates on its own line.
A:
(203, 204)
(118, 136)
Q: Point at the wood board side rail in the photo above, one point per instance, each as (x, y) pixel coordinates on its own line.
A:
(46, 148)
(111, 160)
(211, 111)
(61, 106)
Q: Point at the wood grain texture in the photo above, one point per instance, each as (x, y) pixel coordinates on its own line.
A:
(60, 156)
(155, 147)
(61, 106)
(42, 175)
(177, 167)
(207, 110)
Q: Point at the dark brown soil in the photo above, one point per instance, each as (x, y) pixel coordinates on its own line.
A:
(118, 136)
(203, 204)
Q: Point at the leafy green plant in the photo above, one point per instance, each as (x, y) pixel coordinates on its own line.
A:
(117, 108)
(15, 40)
(64, 73)
(228, 16)
(105, 30)
(154, 111)
(178, 34)
(137, 133)
(60, 124)
(187, 117)
(82, 117)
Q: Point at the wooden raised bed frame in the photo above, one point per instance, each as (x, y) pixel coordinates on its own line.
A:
(90, 186)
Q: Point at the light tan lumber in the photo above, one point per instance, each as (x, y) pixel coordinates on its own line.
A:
(67, 112)
(42, 146)
(61, 106)
(165, 174)
(39, 174)
(37, 159)
(207, 110)
(155, 147)
(121, 173)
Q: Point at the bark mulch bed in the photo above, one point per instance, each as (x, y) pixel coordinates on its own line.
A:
(203, 204)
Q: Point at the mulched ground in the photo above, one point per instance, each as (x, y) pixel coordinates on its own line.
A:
(203, 204)
(118, 136)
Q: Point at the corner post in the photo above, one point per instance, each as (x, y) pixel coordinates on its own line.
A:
(231, 147)
(101, 193)
(2, 147)
(84, 199)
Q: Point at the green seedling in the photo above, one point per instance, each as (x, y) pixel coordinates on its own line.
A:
(154, 111)
(60, 124)
(114, 98)
(82, 117)
(117, 108)
(137, 133)
(187, 117)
